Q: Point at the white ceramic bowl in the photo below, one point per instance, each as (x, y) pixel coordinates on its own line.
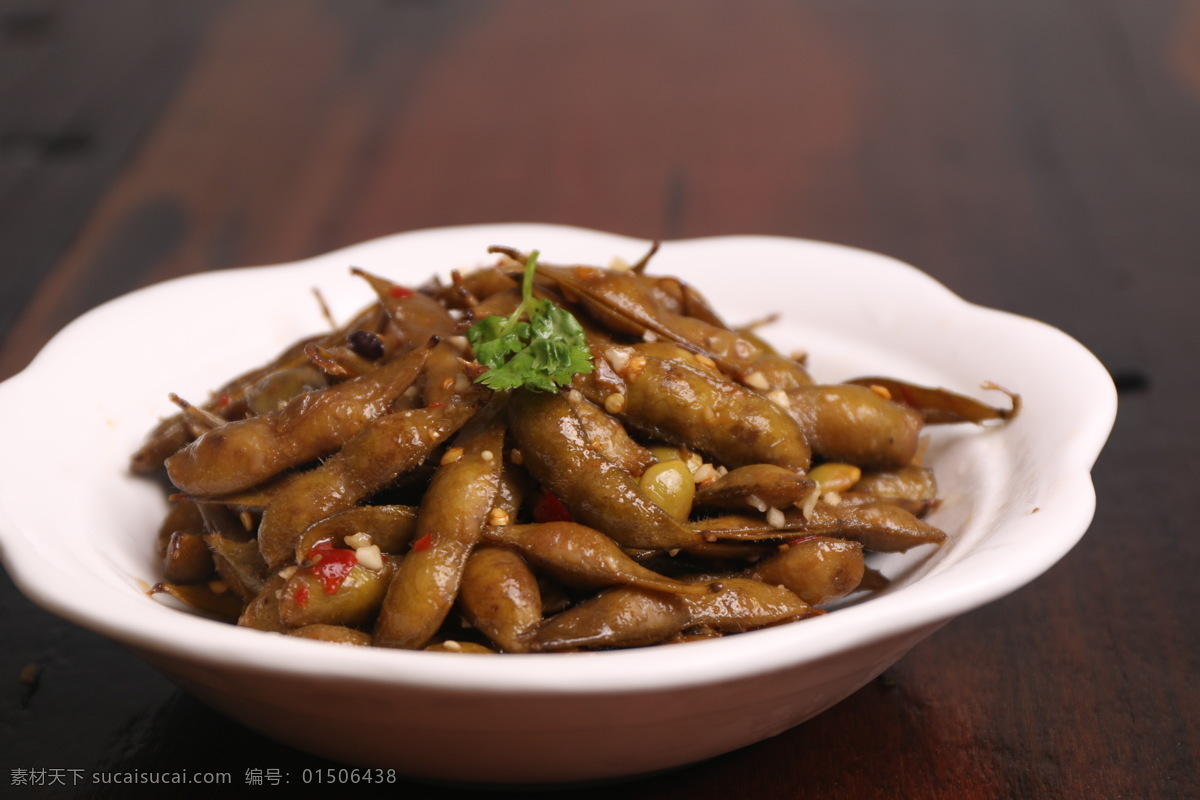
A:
(78, 529)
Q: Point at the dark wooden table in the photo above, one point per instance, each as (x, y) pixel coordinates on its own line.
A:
(1040, 156)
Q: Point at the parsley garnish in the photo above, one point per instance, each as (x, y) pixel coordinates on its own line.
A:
(542, 353)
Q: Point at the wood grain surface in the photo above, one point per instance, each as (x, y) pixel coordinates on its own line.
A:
(1039, 156)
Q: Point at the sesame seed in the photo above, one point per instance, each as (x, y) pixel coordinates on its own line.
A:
(705, 361)
(452, 455)
(574, 396)
(650, 336)
(452, 646)
(780, 398)
(498, 516)
(755, 502)
(775, 518)
(487, 456)
(882, 391)
(614, 403)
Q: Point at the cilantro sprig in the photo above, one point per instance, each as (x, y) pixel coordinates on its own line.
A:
(539, 346)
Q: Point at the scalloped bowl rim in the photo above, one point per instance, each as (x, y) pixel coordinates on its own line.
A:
(100, 595)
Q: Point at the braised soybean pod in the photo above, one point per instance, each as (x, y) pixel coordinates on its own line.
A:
(537, 458)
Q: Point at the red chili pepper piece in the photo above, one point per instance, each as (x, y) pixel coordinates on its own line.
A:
(400, 292)
(332, 565)
(300, 595)
(424, 543)
(550, 509)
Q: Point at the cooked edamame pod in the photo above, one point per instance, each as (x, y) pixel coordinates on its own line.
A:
(414, 313)
(246, 452)
(883, 527)
(599, 494)
(188, 559)
(845, 422)
(941, 406)
(373, 458)
(449, 522)
(817, 569)
(582, 557)
(277, 387)
(744, 604)
(759, 486)
(910, 482)
(262, 611)
(622, 616)
(390, 528)
(335, 587)
(500, 597)
(671, 401)
(608, 436)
